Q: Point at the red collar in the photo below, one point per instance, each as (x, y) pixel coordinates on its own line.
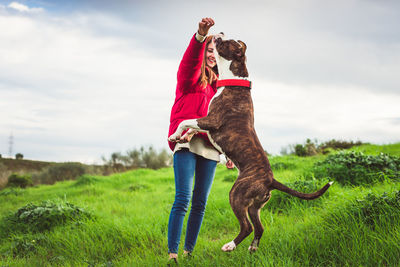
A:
(234, 82)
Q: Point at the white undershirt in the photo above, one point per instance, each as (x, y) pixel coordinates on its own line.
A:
(198, 146)
(200, 38)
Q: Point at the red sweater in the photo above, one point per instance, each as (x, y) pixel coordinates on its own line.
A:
(191, 101)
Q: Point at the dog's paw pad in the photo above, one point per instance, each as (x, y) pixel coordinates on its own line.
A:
(228, 246)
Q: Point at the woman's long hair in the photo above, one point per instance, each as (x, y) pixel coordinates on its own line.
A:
(208, 75)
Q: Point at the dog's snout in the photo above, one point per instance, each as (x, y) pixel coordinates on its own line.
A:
(218, 37)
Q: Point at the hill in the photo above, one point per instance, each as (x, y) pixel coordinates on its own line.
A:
(121, 220)
(23, 165)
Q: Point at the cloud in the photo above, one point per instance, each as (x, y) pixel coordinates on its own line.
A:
(346, 43)
(395, 121)
(23, 8)
(67, 85)
(286, 114)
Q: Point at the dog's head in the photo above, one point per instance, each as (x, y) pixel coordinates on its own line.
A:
(230, 54)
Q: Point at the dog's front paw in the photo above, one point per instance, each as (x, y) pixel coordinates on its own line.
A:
(174, 137)
(228, 246)
(187, 136)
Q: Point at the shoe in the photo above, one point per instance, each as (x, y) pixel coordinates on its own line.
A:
(188, 255)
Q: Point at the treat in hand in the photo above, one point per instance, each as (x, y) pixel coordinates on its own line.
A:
(204, 25)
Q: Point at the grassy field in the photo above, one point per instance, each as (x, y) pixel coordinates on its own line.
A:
(129, 215)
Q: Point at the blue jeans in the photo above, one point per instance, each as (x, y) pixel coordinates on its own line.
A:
(186, 164)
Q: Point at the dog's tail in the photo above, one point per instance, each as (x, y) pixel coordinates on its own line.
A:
(284, 188)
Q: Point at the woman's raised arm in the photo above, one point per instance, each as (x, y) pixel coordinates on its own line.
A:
(190, 67)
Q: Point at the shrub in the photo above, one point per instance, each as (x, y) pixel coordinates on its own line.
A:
(85, 180)
(355, 168)
(136, 187)
(59, 172)
(24, 245)
(17, 180)
(339, 144)
(11, 191)
(138, 158)
(19, 156)
(310, 148)
(300, 150)
(373, 208)
(154, 160)
(42, 217)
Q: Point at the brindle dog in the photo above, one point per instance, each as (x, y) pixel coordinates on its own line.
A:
(230, 126)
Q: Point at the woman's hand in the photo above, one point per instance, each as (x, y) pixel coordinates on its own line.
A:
(204, 25)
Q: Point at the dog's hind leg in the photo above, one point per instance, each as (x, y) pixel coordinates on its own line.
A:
(245, 230)
(239, 207)
(254, 214)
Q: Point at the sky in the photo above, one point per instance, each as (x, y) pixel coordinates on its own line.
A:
(83, 79)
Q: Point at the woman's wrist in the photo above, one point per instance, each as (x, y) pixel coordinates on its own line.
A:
(200, 37)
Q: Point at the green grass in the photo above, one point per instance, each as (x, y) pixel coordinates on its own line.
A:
(392, 149)
(130, 215)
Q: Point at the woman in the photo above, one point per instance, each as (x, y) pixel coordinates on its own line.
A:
(197, 76)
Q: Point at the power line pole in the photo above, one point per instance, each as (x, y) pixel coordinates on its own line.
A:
(10, 145)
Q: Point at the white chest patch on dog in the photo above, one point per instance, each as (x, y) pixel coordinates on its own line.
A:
(219, 91)
(224, 69)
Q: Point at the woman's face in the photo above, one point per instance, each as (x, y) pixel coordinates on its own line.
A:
(210, 59)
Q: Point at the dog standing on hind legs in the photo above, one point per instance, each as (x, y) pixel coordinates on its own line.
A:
(230, 127)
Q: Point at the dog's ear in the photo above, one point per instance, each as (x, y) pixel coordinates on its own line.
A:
(244, 46)
(240, 54)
